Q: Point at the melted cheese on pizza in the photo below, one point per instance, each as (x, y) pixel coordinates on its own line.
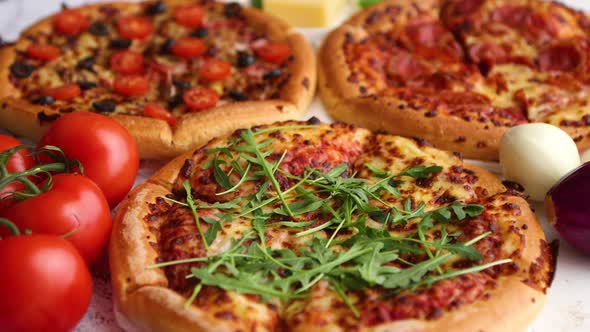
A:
(300, 155)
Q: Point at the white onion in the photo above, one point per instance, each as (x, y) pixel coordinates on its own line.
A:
(537, 155)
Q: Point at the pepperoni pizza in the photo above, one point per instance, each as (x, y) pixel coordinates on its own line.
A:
(458, 73)
(175, 73)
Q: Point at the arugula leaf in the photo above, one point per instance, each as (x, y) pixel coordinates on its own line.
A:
(211, 233)
(420, 172)
(377, 171)
(414, 274)
(337, 171)
(295, 224)
(300, 207)
(210, 221)
(245, 283)
(465, 251)
(191, 203)
(460, 210)
(220, 176)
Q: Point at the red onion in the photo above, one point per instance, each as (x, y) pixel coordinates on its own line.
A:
(568, 208)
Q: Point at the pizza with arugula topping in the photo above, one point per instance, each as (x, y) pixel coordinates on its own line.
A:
(175, 73)
(304, 226)
(459, 73)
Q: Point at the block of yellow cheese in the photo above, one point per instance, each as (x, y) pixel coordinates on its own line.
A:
(307, 13)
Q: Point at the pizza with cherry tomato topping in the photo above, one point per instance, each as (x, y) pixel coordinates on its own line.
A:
(459, 73)
(304, 226)
(175, 73)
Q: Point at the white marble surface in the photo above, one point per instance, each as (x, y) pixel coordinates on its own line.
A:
(568, 306)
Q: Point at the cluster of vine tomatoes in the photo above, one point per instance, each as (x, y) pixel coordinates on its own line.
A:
(55, 217)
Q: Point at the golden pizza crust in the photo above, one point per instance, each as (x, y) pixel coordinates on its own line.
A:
(155, 138)
(144, 302)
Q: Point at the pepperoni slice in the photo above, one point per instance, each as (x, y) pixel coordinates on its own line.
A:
(274, 52)
(406, 66)
(43, 52)
(436, 81)
(198, 99)
(427, 33)
(214, 69)
(525, 19)
(132, 85)
(158, 112)
(560, 58)
(513, 16)
(466, 7)
(127, 62)
(188, 47)
(65, 92)
(488, 53)
(135, 27)
(70, 22)
(190, 16)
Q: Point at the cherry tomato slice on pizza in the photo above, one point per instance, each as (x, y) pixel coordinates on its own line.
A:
(133, 85)
(65, 92)
(188, 47)
(158, 112)
(45, 284)
(274, 52)
(198, 99)
(135, 27)
(190, 16)
(70, 22)
(127, 62)
(44, 52)
(214, 69)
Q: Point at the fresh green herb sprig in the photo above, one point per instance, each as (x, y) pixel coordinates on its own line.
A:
(370, 257)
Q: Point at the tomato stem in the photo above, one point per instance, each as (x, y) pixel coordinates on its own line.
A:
(30, 185)
(22, 176)
(10, 225)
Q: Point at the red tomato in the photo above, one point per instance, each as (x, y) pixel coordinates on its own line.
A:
(188, 47)
(20, 161)
(130, 86)
(214, 69)
(45, 284)
(135, 27)
(127, 62)
(158, 112)
(190, 16)
(274, 52)
(70, 22)
(64, 92)
(73, 204)
(106, 150)
(43, 52)
(198, 99)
